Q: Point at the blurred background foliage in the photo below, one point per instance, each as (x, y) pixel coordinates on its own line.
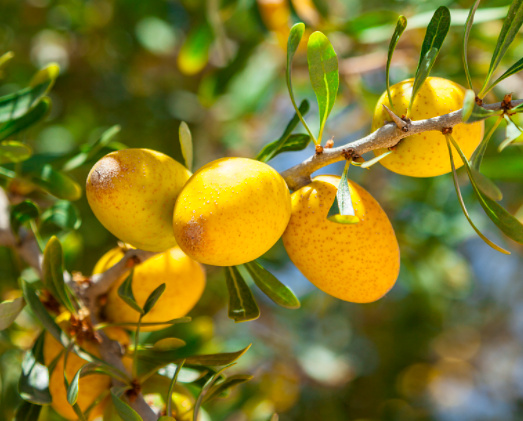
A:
(445, 344)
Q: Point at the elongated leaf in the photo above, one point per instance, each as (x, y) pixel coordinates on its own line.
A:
(79, 413)
(422, 74)
(15, 105)
(153, 299)
(242, 306)
(55, 182)
(375, 160)
(186, 144)
(400, 27)
(323, 72)
(31, 118)
(171, 387)
(504, 220)
(477, 156)
(176, 356)
(194, 54)
(124, 410)
(13, 151)
(169, 343)
(27, 412)
(216, 390)
(204, 390)
(4, 58)
(48, 73)
(436, 32)
(53, 273)
(342, 210)
(22, 213)
(472, 112)
(468, 27)
(33, 384)
(515, 68)
(295, 36)
(511, 26)
(287, 142)
(72, 390)
(63, 214)
(9, 311)
(487, 186)
(271, 286)
(132, 324)
(125, 292)
(513, 134)
(464, 209)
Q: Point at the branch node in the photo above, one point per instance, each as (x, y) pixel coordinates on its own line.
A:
(446, 130)
(348, 154)
(401, 123)
(506, 104)
(319, 149)
(132, 262)
(330, 143)
(478, 100)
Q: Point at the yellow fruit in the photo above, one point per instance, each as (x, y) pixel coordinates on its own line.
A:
(426, 154)
(90, 387)
(357, 263)
(132, 193)
(184, 279)
(231, 211)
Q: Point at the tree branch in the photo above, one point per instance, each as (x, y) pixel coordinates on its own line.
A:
(385, 137)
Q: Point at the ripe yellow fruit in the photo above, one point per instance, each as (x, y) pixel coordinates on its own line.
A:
(426, 154)
(90, 387)
(231, 211)
(358, 263)
(132, 193)
(184, 279)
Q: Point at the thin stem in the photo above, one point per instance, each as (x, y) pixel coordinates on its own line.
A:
(36, 233)
(135, 355)
(477, 156)
(171, 388)
(302, 120)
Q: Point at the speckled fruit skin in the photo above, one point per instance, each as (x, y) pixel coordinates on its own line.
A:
(90, 386)
(132, 193)
(231, 211)
(426, 154)
(357, 263)
(184, 279)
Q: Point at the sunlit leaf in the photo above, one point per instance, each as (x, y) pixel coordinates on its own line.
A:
(186, 144)
(125, 292)
(422, 74)
(400, 27)
(376, 159)
(171, 387)
(271, 286)
(216, 390)
(30, 119)
(487, 186)
(9, 311)
(477, 156)
(55, 182)
(436, 32)
(169, 343)
(63, 214)
(204, 390)
(14, 151)
(48, 73)
(342, 210)
(15, 105)
(468, 27)
(323, 73)
(22, 213)
(513, 135)
(33, 384)
(472, 112)
(242, 305)
(194, 54)
(124, 410)
(4, 58)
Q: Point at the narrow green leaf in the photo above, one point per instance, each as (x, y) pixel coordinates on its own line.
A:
(153, 299)
(242, 306)
(33, 384)
(487, 186)
(4, 58)
(194, 53)
(343, 202)
(511, 26)
(131, 324)
(125, 292)
(400, 27)
(513, 134)
(31, 118)
(271, 286)
(287, 142)
(27, 412)
(15, 105)
(515, 68)
(204, 390)
(468, 27)
(9, 311)
(504, 220)
(186, 144)
(171, 388)
(323, 72)
(422, 74)
(76, 407)
(62, 214)
(169, 344)
(477, 156)
(22, 213)
(72, 390)
(472, 112)
(14, 151)
(124, 410)
(436, 32)
(216, 390)
(53, 273)
(375, 160)
(295, 36)
(55, 182)
(48, 74)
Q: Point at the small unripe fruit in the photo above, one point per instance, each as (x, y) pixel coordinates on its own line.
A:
(231, 211)
(132, 193)
(90, 387)
(358, 262)
(426, 154)
(184, 279)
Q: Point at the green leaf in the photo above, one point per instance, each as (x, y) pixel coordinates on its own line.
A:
(287, 142)
(375, 160)
(22, 213)
(53, 273)
(186, 144)
(4, 58)
(27, 412)
(468, 27)
(487, 186)
(242, 306)
(125, 292)
(295, 36)
(342, 209)
(323, 72)
(205, 388)
(216, 390)
(124, 410)
(477, 156)
(422, 74)
(9, 311)
(436, 32)
(48, 73)
(14, 151)
(31, 118)
(169, 344)
(194, 54)
(171, 387)
(63, 214)
(153, 298)
(75, 406)
(504, 220)
(132, 324)
(513, 134)
(464, 209)
(15, 105)
(33, 384)
(55, 182)
(400, 27)
(271, 286)
(72, 390)
(472, 112)
(515, 68)
(511, 26)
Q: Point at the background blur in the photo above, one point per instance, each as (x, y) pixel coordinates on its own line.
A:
(445, 344)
